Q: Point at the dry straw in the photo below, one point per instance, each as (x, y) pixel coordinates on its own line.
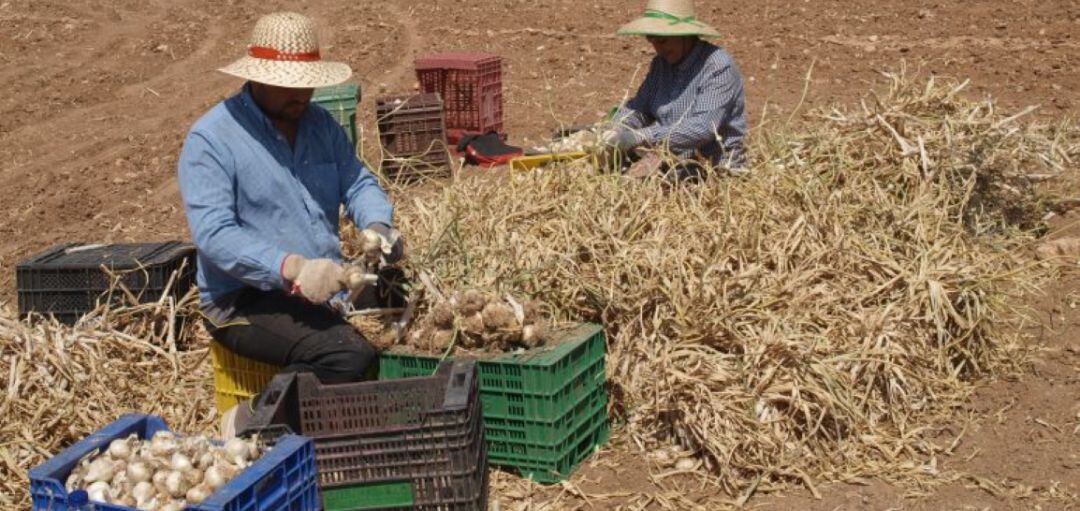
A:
(812, 321)
(808, 322)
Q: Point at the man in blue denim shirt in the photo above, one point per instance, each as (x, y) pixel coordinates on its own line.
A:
(263, 176)
(691, 102)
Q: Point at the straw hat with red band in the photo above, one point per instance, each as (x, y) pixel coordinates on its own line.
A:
(284, 51)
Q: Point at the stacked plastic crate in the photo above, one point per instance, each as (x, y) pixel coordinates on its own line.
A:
(470, 85)
(409, 443)
(545, 410)
(413, 136)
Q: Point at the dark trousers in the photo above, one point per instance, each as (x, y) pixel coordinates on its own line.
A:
(289, 331)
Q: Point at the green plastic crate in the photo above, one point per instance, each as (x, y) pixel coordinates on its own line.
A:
(340, 101)
(368, 496)
(548, 432)
(542, 371)
(551, 464)
(538, 406)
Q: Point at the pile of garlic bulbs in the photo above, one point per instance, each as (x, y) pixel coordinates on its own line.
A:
(165, 473)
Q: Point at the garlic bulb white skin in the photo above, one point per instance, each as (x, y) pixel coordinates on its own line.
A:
(197, 494)
(175, 484)
(205, 460)
(685, 464)
(236, 449)
(193, 477)
(100, 469)
(120, 449)
(159, 480)
(119, 480)
(214, 477)
(143, 492)
(181, 463)
(98, 491)
(164, 473)
(163, 444)
(138, 472)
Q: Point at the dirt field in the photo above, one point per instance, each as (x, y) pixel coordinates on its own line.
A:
(98, 97)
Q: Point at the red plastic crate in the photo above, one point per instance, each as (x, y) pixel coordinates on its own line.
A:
(471, 87)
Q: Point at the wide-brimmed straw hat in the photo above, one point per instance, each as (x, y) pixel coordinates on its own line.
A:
(668, 18)
(284, 51)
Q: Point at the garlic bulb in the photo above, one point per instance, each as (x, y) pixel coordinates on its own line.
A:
(164, 473)
(371, 244)
(163, 444)
(193, 477)
(685, 464)
(214, 477)
(143, 492)
(98, 492)
(236, 450)
(138, 472)
(119, 480)
(175, 484)
(181, 463)
(159, 480)
(100, 469)
(197, 494)
(205, 460)
(120, 449)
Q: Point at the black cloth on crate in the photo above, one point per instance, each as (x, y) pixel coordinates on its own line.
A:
(487, 149)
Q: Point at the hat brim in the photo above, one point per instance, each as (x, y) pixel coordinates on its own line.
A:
(293, 75)
(659, 27)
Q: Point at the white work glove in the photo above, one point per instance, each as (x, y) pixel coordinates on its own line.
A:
(314, 279)
(381, 239)
(622, 139)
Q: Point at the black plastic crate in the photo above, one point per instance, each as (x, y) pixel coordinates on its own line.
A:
(68, 280)
(408, 443)
(413, 136)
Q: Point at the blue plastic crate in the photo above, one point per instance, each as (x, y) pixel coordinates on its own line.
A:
(282, 479)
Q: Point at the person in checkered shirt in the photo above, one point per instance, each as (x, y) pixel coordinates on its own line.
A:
(689, 115)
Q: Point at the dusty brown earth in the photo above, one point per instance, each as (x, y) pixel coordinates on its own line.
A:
(98, 96)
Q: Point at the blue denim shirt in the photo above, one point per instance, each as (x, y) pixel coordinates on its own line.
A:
(695, 105)
(251, 199)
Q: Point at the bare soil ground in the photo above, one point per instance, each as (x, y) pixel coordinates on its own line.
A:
(98, 97)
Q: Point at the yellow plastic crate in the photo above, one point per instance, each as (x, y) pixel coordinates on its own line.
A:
(237, 378)
(539, 160)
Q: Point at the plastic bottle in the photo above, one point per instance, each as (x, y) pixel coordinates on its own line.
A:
(79, 500)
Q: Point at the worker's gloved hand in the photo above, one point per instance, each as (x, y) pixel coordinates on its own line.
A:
(622, 139)
(391, 244)
(314, 279)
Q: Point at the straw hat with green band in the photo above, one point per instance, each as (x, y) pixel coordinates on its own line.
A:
(668, 18)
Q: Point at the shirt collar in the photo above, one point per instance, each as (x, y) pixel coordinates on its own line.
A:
(253, 109)
(692, 57)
